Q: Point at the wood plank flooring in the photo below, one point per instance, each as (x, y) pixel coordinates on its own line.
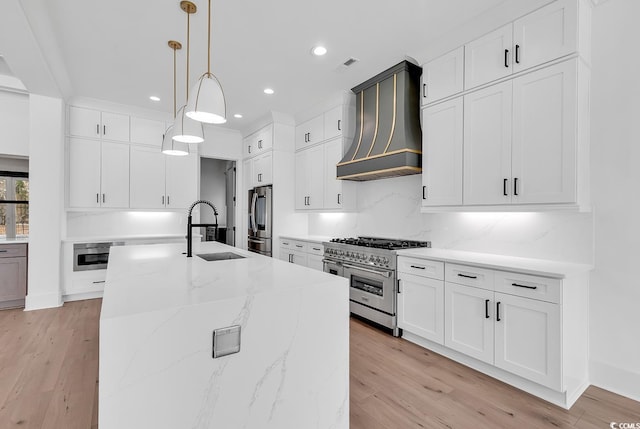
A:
(49, 379)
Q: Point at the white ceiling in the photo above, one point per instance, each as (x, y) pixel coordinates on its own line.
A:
(116, 50)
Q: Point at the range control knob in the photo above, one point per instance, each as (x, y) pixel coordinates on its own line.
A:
(371, 258)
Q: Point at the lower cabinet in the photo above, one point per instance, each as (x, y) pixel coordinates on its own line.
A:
(512, 324)
(304, 253)
(13, 275)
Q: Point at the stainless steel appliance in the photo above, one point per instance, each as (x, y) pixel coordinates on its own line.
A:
(260, 221)
(92, 256)
(370, 265)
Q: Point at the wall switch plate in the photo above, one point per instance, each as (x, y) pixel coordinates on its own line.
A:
(226, 341)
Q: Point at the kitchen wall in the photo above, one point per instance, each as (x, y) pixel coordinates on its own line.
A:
(14, 123)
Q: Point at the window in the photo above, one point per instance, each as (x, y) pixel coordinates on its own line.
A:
(14, 204)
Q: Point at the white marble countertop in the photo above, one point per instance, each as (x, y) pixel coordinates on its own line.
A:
(99, 238)
(154, 277)
(310, 238)
(20, 240)
(540, 267)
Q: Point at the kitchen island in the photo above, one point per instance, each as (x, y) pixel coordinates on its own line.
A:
(159, 313)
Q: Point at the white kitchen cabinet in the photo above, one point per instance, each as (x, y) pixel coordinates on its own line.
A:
(98, 174)
(545, 134)
(258, 171)
(469, 321)
(442, 149)
(421, 306)
(442, 77)
(247, 168)
(301, 252)
(487, 145)
(160, 181)
(92, 123)
(13, 275)
(489, 57)
(309, 132)
(258, 142)
(545, 34)
(310, 178)
(528, 339)
(338, 194)
(338, 122)
(147, 131)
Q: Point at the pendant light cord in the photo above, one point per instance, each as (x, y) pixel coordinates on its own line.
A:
(209, 41)
(188, 45)
(174, 81)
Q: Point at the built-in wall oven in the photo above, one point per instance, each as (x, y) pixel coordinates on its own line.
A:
(92, 256)
(370, 265)
(260, 223)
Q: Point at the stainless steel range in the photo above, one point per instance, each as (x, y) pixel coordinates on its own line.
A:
(370, 265)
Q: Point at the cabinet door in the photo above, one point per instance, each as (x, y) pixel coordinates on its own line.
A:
(181, 181)
(147, 131)
(13, 279)
(115, 175)
(421, 307)
(442, 140)
(248, 148)
(527, 338)
(488, 58)
(264, 139)
(302, 182)
(443, 76)
(487, 145)
(310, 178)
(247, 167)
(310, 132)
(548, 33)
(298, 258)
(84, 173)
(544, 135)
(468, 323)
(262, 170)
(146, 185)
(84, 122)
(115, 127)
(315, 262)
(333, 195)
(334, 122)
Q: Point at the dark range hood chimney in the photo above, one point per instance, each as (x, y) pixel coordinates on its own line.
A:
(388, 140)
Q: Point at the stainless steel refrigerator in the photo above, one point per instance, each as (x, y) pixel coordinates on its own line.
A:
(260, 221)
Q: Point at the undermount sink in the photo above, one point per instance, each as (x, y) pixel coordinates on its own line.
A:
(220, 256)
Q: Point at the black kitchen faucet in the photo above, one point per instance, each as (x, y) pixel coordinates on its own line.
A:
(198, 225)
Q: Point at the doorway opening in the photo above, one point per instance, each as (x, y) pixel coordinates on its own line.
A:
(218, 185)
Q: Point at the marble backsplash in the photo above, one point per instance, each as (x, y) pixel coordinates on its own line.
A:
(125, 223)
(391, 208)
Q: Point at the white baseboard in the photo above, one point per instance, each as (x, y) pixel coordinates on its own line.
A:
(616, 380)
(40, 301)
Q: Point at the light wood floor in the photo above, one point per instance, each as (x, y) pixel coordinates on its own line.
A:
(49, 379)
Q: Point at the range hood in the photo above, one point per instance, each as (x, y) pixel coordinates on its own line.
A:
(388, 140)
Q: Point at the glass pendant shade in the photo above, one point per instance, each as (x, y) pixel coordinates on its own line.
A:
(173, 147)
(186, 130)
(206, 101)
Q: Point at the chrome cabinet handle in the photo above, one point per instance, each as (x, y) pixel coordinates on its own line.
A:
(368, 270)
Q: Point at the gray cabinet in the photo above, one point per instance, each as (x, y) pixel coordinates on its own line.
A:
(13, 275)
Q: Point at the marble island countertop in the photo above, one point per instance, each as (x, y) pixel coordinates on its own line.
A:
(158, 316)
(319, 239)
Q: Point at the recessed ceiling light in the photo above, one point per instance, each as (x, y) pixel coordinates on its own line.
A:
(237, 115)
(319, 50)
(268, 91)
(154, 98)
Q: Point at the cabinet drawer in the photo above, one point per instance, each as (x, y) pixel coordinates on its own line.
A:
(528, 286)
(299, 246)
(421, 267)
(315, 249)
(13, 250)
(469, 276)
(286, 243)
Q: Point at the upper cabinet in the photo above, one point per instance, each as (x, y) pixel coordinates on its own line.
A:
(310, 132)
(539, 37)
(258, 142)
(147, 131)
(516, 136)
(442, 77)
(95, 124)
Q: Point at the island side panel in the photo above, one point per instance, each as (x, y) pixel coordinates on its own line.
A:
(292, 371)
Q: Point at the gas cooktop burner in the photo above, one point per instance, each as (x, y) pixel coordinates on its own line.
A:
(381, 243)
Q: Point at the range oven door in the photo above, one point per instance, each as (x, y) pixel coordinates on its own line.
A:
(372, 287)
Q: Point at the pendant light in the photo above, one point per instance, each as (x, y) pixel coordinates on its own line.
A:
(207, 98)
(169, 145)
(185, 129)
